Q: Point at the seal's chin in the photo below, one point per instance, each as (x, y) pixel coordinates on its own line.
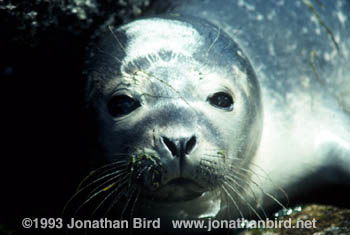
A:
(176, 190)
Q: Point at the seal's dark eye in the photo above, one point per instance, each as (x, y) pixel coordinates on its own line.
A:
(221, 100)
(121, 105)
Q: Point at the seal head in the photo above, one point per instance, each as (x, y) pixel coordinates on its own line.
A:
(178, 104)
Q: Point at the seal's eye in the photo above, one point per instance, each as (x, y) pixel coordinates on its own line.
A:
(221, 100)
(121, 105)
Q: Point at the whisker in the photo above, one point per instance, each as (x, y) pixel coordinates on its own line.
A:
(108, 54)
(97, 191)
(116, 199)
(213, 43)
(266, 193)
(221, 156)
(128, 201)
(110, 172)
(120, 162)
(134, 203)
(90, 198)
(245, 189)
(104, 174)
(142, 170)
(109, 195)
(82, 190)
(272, 182)
(243, 199)
(117, 39)
(233, 200)
(121, 174)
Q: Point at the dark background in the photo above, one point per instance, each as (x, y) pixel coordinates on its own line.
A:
(47, 140)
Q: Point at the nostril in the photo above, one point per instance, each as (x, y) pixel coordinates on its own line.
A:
(170, 145)
(190, 145)
(179, 147)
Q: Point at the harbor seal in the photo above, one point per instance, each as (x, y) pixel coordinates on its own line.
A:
(219, 110)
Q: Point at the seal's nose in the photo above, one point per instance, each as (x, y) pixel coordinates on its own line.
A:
(181, 146)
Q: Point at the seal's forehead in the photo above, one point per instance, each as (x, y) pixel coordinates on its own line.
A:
(149, 36)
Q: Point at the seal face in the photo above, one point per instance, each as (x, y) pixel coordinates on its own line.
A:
(176, 110)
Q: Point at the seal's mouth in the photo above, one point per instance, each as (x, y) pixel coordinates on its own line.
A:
(176, 190)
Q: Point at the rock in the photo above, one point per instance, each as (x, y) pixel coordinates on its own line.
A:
(328, 220)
